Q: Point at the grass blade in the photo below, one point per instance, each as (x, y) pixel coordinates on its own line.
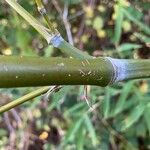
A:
(72, 130)
(106, 103)
(144, 27)
(118, 24)
(121, 101)
(91, 129)
(132, 117)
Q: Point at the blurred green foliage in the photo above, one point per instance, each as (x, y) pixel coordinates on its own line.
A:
(120, 115)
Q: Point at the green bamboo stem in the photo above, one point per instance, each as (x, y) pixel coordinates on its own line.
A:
(35, 71)
(138, 69)
(43, 12)
(126, 69)
(73, 51)
(18, 71)
(23, 99)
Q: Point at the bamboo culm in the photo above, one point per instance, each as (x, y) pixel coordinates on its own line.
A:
(37, 71)
(16, 71)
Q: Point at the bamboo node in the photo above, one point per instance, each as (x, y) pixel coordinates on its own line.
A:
(42, 10)
(55, 40)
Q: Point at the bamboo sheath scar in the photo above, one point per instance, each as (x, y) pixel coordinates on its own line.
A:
(16, 71)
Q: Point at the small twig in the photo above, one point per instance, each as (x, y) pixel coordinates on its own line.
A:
(8, 124)
(17, 117)
(12, 135)
(43, 12)
(64, 16)
(55, 3)
(81, 29)
(52, 89)
(67, 25)
(23, 99)
(86, 97)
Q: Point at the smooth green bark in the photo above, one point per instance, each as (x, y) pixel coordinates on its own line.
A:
(126, 69)
(138, 69)
(30, 71)
(72, 51)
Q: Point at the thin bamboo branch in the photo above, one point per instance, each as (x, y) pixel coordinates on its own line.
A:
(23, 99)
(51, 38)
(74, 52)
(43, 12)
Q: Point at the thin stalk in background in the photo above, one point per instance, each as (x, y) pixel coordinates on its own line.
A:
(23, 99)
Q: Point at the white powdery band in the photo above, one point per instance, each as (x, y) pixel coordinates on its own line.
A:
(120, 68)
(55, 40)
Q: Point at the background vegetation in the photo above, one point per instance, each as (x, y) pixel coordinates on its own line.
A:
(120, 115)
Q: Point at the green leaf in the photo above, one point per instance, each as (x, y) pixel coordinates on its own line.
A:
(3, 132)
(57, 98)
(118, 23)
(80, 138)
(141, 129)
(72, 130)
(143, 27)
(123, 97)
(104, 145)
(49, 51)
(146, 117)
(2, 29)
(23, 39)
(142, 37)
(128, 46)
(76, 108)
(145, 5)
(71, 2)
(132, 117)
(135, 12)
(106, 103)
(91, 130)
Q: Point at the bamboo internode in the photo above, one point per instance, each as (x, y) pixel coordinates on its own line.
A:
(16, 71)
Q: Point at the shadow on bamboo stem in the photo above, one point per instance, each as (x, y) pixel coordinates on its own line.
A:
(36, 71)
